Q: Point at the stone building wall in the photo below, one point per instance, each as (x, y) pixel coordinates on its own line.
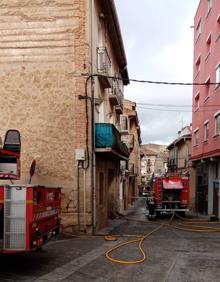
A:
(44, 48)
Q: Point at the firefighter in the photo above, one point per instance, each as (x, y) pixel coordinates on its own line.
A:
(150, 204)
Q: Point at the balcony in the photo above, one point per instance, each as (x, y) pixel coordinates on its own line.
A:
(128, 139)
(116, 95)
(108, 142)
(123, 165)
(103, 66)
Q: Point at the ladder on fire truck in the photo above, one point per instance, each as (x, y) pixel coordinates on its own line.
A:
(14, 217)
(13, 229)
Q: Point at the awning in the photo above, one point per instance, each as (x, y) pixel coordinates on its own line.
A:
(172, 184)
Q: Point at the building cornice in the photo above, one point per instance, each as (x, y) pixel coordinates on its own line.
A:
(213, 153)
(178, 140)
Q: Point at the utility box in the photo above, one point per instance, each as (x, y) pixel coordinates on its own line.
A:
(80, 155)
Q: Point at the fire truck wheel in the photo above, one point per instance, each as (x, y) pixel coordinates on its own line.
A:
(158, 214)
(182, 213)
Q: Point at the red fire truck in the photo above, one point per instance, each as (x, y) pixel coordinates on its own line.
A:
(29, 214)
(170, 194)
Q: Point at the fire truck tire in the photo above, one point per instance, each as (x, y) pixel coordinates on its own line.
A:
(158, 214)
(182, 213)
(40, 249)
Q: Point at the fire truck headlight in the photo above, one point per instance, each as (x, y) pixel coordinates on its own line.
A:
(34, 243)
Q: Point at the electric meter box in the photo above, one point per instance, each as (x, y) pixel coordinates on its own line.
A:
(80, 155)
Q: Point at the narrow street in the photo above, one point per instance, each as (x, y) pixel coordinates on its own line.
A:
(172, 255)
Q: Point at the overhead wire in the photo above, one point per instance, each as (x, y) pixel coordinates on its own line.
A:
(207, 83)
(172, 110)
(176, 105)
(164, 110)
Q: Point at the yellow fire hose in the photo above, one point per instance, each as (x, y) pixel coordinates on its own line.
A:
(139, 241)
(188, 225)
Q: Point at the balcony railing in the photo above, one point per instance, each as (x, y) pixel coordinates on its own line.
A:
(103, 61)
(116, 95)
(108, 140)
(103, 66)
(128, 139)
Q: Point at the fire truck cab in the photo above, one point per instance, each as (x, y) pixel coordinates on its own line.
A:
(170, 194)
(29, 214)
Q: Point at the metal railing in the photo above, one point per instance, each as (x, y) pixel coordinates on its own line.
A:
(128, 139)
(103, 60)
(117, 92)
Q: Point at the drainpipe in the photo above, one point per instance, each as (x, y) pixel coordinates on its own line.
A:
(93, 157)
(84, 199)
(78, 199)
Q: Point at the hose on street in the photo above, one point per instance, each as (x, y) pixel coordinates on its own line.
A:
(140, 241)
(189, 225)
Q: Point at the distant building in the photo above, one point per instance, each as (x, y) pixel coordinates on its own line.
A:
(129, 128)
(179, 159)
(154, 159)
(206, 106)
(180, 152)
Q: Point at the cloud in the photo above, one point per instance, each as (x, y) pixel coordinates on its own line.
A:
(159, 46)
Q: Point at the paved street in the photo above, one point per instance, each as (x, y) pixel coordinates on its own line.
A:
(172, 255)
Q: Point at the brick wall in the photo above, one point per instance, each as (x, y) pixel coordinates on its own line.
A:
(43, 49)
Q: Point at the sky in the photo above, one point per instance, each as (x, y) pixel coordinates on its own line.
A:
(158, 41)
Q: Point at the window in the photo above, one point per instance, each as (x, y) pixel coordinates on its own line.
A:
(209, 39)
(196, 137)
(217, 124)
(218, 75)
(198, 63)
(209, 5)
(197, 101)
(206, 131)
(207, 88)
(124, 123)
(198, 29)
